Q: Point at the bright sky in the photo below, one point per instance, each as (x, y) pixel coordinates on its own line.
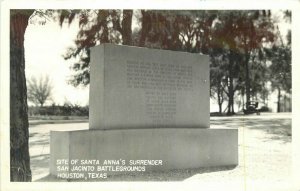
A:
(44, 47)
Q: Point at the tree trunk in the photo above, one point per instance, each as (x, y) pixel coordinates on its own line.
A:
(243, 100)
(232, 103)
(278, 100)
(247, 80)
(146, 26)
(230, 87)
(19, 150)
(231, 95)
(220, 107)
(126, 27)
(220, 99)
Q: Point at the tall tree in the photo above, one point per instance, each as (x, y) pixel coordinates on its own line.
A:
(243, 34)
(39, 90)
(224, 41)
(281, 76)
(19, 151)
(218, 79)
(280, 56)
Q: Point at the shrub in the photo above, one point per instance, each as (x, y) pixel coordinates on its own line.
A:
(57, 110)
(264, 109)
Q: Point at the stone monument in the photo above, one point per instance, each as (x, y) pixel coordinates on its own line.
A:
(147, 104)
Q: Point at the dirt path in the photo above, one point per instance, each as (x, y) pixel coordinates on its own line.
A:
(264, 155)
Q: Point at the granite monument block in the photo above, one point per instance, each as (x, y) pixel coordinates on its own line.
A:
(133, 87)
(146, 106)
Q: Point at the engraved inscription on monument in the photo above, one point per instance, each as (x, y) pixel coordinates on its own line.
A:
(160, 106)
(143, 88)
(160, 82)
(159, 76)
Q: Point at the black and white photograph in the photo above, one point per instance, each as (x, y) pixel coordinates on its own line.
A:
(149, 98)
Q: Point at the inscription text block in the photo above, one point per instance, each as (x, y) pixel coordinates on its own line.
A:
(135, 87)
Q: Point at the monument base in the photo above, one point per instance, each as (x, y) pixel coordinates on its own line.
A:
(175, 148)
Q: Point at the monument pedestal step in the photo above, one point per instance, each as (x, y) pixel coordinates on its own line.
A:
(171, 148)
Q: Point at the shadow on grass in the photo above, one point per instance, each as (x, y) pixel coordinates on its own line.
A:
(39, 138)
(165, 176)
(42, 160)
(172, 175)
(40, 142)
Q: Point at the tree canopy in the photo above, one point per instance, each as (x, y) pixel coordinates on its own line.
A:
(239, 43)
